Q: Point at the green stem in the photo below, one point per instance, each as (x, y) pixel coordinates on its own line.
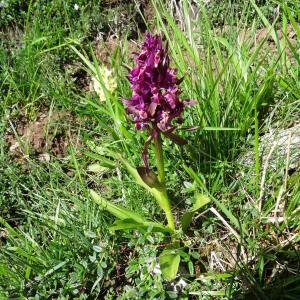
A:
(162, 192)
(168, 210)
(159, 158)
(163, 200)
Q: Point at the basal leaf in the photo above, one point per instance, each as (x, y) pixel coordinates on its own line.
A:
(131, 224)
(127, 219)
(119, 212)
(125, 224)
(103, 161)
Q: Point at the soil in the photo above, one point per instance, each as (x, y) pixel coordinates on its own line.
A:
(104, 49)
(41, 138)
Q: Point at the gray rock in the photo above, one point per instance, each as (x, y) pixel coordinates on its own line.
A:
(275, 148)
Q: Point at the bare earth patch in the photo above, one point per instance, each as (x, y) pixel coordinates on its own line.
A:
(47, 135)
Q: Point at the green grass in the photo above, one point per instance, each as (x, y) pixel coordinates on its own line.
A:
(55, 241)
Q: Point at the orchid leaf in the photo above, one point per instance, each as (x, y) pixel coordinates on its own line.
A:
(131, 224)
(119, 212)
(201, 200)
(127, 219)
(103, 161)
(125, 224)
(169, 261)
(149, 177)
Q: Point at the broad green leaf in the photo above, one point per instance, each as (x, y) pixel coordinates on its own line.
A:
(169, 263)
(125, 224)
(131, 224)
(104, 162)
(129, 219)
(201, 200)
(116, 210)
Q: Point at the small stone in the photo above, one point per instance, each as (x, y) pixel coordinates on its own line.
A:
(45, 157)
(14, 147)
(3, 233)
(70, 173)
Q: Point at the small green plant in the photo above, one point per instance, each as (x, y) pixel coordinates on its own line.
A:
(155, 106)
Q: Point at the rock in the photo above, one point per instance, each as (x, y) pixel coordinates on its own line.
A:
(45, 157)
(275, 148)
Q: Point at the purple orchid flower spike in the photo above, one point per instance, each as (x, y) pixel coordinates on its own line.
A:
(155, 103)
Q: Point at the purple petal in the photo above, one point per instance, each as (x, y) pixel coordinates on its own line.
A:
(155, 99)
